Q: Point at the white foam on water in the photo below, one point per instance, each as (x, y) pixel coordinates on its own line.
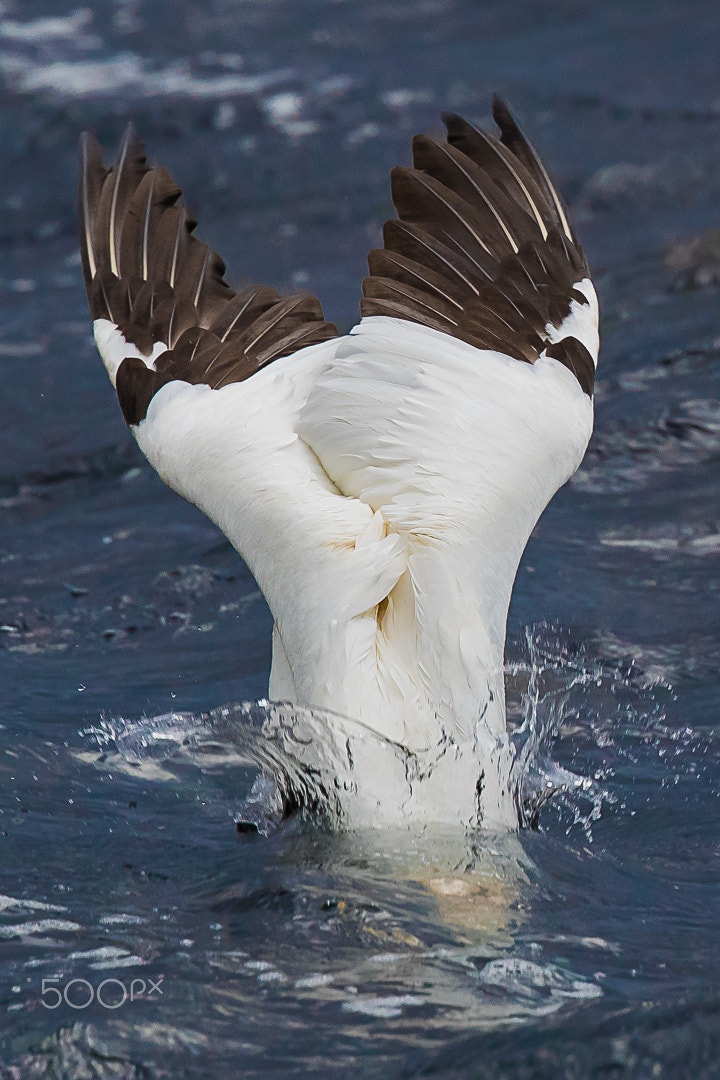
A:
(131, 74)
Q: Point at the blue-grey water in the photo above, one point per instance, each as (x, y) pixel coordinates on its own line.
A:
(140, 934)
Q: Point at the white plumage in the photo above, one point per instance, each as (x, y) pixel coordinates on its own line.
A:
(381, 486)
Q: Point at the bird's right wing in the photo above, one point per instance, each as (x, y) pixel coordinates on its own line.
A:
(463, 399)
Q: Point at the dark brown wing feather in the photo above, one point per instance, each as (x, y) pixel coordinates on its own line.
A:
(145, 271)
(482, 249)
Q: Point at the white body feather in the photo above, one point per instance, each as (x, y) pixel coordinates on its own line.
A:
(382, 488)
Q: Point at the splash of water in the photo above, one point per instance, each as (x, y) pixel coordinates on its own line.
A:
(310, 759)
(320, 762)
(547, 705)
(592, 712)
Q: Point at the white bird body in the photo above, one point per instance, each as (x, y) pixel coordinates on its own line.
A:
(382, 487)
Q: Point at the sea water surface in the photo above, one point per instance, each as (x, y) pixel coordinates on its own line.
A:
(142, 934)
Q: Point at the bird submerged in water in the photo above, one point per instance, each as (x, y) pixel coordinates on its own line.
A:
(380, 485)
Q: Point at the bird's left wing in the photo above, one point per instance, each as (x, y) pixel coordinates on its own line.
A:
(211, 382)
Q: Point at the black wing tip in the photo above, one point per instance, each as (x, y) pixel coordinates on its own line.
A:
(399, 171)
(501, 114)
(134, 144)
(91, 145)
(456, 126)
(421, 139)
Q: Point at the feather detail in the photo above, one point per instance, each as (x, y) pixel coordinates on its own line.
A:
(459, 173)
(92, 178)
(512, 137)
(508, 173)
(482, 249)
(148, 274)
(421, 199)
